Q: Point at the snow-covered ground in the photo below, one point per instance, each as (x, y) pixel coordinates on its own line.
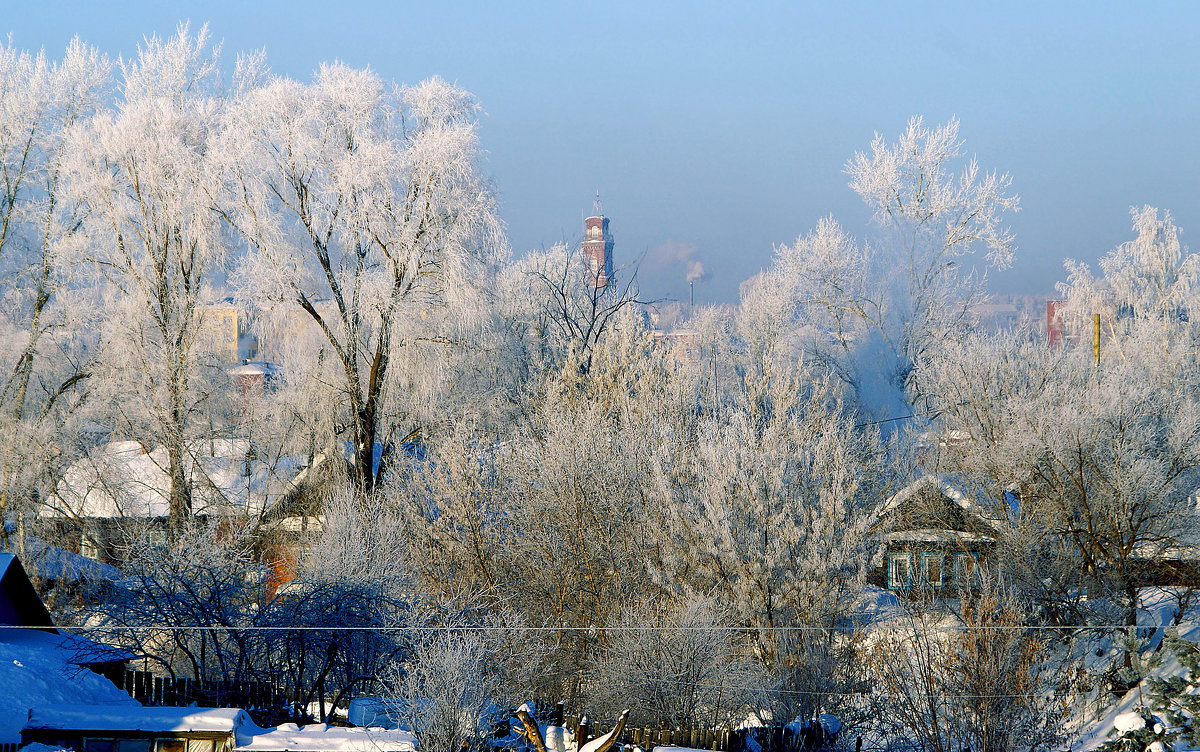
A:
(1100, 716)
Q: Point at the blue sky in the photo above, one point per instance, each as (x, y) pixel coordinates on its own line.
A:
(725, 127)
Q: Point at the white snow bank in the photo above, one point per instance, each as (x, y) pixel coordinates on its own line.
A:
(287, 737)
(318, 737)
(1127, 722)
(830, 723)
(374, 711)
(38, 747)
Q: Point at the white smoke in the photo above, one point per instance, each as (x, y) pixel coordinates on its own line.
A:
(673, 253)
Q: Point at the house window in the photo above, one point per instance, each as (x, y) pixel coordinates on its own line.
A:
(899, 571)
(88, 547)
(964, 570)
(931, 570)
(170, 745)
(115, 745)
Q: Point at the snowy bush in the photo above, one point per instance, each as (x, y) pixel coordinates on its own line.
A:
(979, 682)
(459, 681)
(679, 667)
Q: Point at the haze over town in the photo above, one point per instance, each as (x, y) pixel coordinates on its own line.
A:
(727, 128)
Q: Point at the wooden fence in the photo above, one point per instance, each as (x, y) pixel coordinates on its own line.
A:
(773, 738)
(256, 697)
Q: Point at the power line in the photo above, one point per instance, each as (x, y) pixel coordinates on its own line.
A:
(491, 628)
(816, 693)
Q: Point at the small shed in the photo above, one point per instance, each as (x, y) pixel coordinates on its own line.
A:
(98, 728)
(39, 665)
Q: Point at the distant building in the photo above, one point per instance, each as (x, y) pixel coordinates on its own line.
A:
(999, 313)
(934, 535)
(229, 329)
(598, 247)
(254, 376)
(123, 487)
(1073, 327)
(1056, 329)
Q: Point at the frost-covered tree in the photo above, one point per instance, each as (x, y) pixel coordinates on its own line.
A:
(459, 681)
(154, 244)
(769, 504)
(1102, 462)
(873, 309)
(683, 666)
(978, 681)
(565, 312)
(557, 514)
(42, 362)
(369, 224)
(1147, 295)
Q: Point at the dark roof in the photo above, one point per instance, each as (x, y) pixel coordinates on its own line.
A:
(20, 605)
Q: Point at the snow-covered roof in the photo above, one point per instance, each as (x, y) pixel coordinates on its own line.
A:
(125, 479)
(255, 368)
(289, 737)
(35, 670)
(136, 718)
(946, 487)
(76, 649)
(928, 536)
(54, 563)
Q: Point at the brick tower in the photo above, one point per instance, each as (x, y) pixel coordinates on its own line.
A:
(598, 247)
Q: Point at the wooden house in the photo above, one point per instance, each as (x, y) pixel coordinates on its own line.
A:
(934, 535)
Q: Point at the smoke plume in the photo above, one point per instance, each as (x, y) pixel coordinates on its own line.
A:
(674, 253)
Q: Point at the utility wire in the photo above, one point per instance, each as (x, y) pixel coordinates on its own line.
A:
(814, 693)
(490, 628)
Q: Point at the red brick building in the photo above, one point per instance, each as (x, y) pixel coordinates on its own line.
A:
(598, 249)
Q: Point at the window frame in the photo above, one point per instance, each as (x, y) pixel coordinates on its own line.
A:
(928, 556)
(84, 743)
(893, 583)
(971, 577)
(158, 745)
